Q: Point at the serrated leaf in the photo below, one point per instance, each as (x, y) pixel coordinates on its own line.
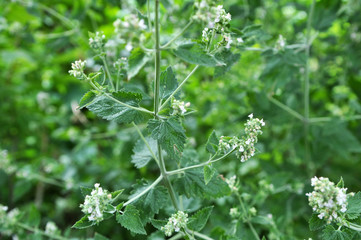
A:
(168, 83)
(100, 237)
(330, 233)
(155, 199)
(192, 184)
(83, 223)
(158, 224)
(354, 206)
(195, 54)
(315, 223)
(209, 172)
(130, 220)
(105, 107)
(212, 143)
(228, 58)
(142, 155)
(87, 99)
(85, 191)
(170, 133)
(137, 60)
(199, 219)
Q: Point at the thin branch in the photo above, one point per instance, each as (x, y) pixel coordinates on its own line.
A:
(286, 108)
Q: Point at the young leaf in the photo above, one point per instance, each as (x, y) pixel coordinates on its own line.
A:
(341, 183)
(209, 172)
(87, 99)
(130, 220)
(330, 233)
(83, 223)
(116, 194)
(199, 219)
(315, 223)
(136, 61)
(170, 133)
(158, 224)
(109, 109)
(142, 155)
(195, 54)
(192, 184)
(168, 83)
(212, 143)
(354, 206)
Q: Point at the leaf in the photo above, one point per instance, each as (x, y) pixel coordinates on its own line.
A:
(100, 237)
(87, 99)
(170, 133)
(330, 233)
(262, 220)
(142, 155)
(341, 183)
(155, 199)
(192, 184)
(116, 194)
(209, 172)
(195, 54)
(315, 223)
(212, 143)
(158, 224)
(83, 223)
(106, 108)
(354, 206)
(137, 60)
(228, 58)
(168, 83)
(85, 191)
(130, 220)
(199, 219)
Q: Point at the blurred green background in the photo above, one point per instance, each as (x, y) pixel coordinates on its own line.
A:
(53, 148)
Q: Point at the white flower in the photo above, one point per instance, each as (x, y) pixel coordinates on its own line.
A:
(175, 223)
(78, 69)
(250, 116)
(179, 107)
(129, 47)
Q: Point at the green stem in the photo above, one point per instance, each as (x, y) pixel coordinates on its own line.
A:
(178, 35)
(107, 71)
(144, 191)
(247, 217)
(286, 108)
(179, 87)
(201, 164)
(146, 143)
(327, 119)
(35, 230)
(200, 235)
(353, 226)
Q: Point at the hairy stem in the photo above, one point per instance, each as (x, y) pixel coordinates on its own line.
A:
(353, 226)
(35, 230)
(107, 71)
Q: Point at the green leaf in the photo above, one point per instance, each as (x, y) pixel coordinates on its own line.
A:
(155, 199)
(209, 172)
(137, 60)
(100, 237)
(192, 184)
(341, 183)
(130, 220)
(315, 223)
(212, 143)
(105, 107)
(158, 224)
(199, 219)
(142, 155)
(87, 99)
(262, 220)
(195, 54)
(354, 206)
(85, 191)
(168, 83)
(228, 58)
(83, 223)
(170, 133)
(116, 194)
(330, 233)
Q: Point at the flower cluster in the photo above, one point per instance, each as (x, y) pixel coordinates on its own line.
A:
(244, 147)
(234, 213)
(51, 228)
(96, 203)
(179, 107)
(8, 219)
(97, 41)
(206, 34)
(131, 22)
(222, 18)
(328, 200)
(5, 162)
(232, 184)
(77, 69)
(281, 42)
(175, 223)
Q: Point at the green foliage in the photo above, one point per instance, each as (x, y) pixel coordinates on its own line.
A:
(142, 155)
(316, 223)
(330, 233)
(130, 220)
(354, 206)
(168, 83)
(83, 223)
(198, 220)
(136, 62)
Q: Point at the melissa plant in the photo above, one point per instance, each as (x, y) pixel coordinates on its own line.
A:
(182, 177)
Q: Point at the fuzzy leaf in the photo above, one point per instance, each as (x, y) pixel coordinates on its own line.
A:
(330, 233)
(192, 184)
(83, 223)
(158, 224)
(170, 133)
(195, 54)
(212, 143)
(109, 109)
(136, 61)
(142, 155)
(130, 220)
(155, 199)
(354, 206)
(199, 219)
(87, 99)
(209, 172)
(168, 83)
(315, 223)
(228, 58)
